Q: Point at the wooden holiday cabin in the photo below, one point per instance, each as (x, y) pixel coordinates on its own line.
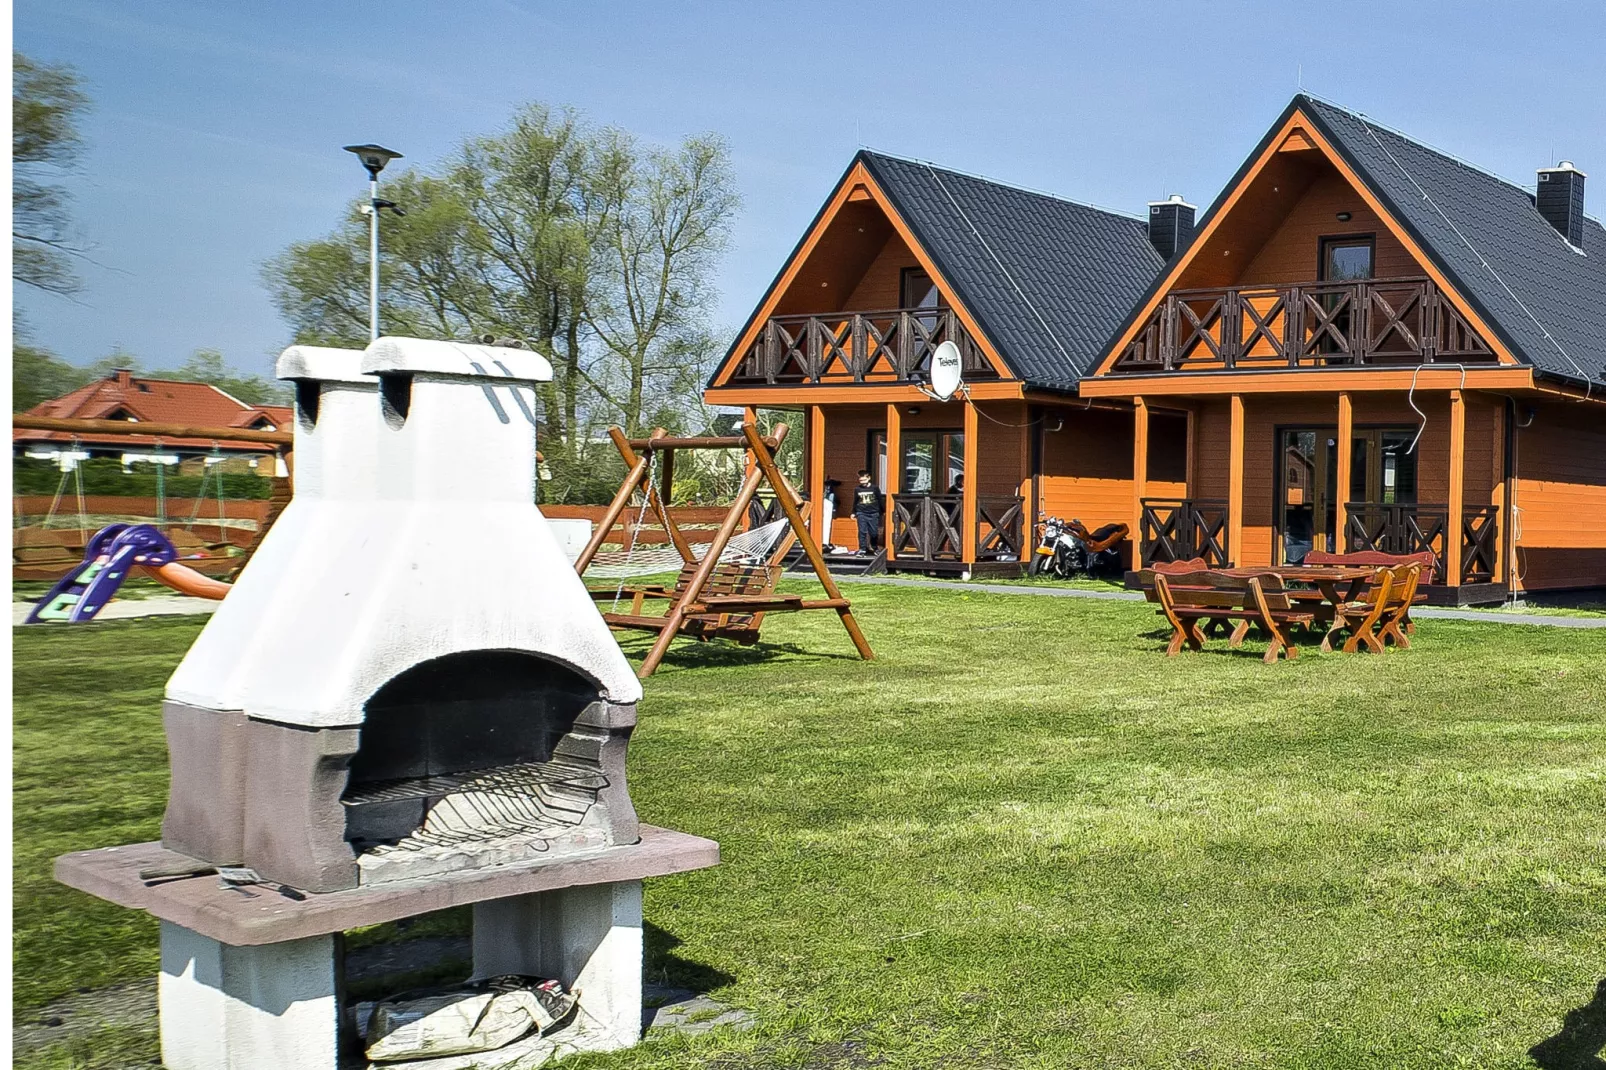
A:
(904, 256)
(1377, 346)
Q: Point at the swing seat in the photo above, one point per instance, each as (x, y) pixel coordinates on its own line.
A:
(728, 607)
(717, 595)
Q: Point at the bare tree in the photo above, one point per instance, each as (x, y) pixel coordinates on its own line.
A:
(46, 104)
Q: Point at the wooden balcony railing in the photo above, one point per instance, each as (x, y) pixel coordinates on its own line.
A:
(1179, 529)
(890, 346)
(927, 528)
(1414, 528)
(1316, 324)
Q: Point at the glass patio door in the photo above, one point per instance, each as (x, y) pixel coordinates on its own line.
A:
(1307, 493)
(1382, 470)
(933, 462)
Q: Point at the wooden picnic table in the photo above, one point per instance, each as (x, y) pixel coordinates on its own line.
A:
(1325, 578)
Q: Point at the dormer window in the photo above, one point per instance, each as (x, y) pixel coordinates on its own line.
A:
(122, 414)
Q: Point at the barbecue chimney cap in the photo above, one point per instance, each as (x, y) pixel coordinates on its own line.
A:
(407, 356)
(322, 364)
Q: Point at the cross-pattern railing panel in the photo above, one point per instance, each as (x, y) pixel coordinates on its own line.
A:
(1480, 540)
(895, 345)
(1180, 529)
(1397, 529)
(1000, 519)
(926, 527)
(1314, 324)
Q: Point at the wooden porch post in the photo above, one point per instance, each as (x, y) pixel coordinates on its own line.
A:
(894, 471)
(967, 534)
(1235, 485)
(1346, 431)
(1140, 475)
(816, 445)
(1452, 523)
(1192, 488)
(1498, 497)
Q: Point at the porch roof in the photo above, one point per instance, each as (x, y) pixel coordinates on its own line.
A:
(1546, 298)
(1048, 280)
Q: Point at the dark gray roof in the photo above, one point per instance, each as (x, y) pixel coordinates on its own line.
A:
(1048, 280)
(1544, 297)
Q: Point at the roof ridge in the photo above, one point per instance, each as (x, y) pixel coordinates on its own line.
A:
(1419, 143)
(1016, 186)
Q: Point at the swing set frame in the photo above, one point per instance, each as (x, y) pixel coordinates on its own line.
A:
(713, 599)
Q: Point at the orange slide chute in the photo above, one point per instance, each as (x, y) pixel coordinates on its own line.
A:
(186, 580)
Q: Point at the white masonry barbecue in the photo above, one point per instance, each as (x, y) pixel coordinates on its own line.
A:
(419, 681)
(408, 700)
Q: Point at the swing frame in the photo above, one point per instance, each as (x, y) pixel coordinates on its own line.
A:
(713, 599)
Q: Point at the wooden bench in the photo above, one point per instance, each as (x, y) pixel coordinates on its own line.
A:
(1187, 599)
(731, 606)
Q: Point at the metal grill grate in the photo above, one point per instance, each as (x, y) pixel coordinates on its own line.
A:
(513, 780)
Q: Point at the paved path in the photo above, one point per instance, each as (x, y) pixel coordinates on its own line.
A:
(122, 609)
(1479, 617)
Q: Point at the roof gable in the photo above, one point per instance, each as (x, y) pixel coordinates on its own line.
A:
(1546, 299)
(1048, 279)
(1041, 281)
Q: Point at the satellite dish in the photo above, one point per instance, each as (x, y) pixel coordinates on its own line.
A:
(945, 372)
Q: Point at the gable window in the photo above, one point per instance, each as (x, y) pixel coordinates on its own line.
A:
(1346, 259)
(918, 291)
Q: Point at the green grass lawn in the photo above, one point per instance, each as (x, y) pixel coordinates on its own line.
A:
(1020, 837)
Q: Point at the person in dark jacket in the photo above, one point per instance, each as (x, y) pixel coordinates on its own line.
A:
(868, 506)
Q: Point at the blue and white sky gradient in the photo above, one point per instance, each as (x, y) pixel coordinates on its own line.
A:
(215, 137)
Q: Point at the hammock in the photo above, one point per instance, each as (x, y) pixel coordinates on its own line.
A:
(748, 546)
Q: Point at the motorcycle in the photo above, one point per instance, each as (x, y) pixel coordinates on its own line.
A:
(1068, 549)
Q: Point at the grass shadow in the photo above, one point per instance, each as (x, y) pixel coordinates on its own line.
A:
(717, 654)
(1578, 1044)
(664, 967)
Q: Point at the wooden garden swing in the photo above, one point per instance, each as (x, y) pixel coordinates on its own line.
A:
(718, 595)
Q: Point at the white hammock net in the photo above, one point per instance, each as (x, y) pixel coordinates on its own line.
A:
(748, 547)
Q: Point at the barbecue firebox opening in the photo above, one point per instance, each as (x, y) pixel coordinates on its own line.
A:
(486, 756)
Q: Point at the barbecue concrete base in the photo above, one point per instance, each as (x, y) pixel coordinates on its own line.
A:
(251, 976)
(589, 938)
(273, 1007)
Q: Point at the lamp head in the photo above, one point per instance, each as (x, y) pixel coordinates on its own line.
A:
(373, 157)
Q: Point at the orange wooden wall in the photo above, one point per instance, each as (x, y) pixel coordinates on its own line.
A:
(1264, 414)
(882, 284)
(1290, 254)
(1561, 494)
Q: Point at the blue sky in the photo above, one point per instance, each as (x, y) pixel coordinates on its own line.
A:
(216, 133)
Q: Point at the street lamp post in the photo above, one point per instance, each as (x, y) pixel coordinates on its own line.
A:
(374, 158)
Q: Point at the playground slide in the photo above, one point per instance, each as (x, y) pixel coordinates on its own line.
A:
(186, 580)
(111, 553)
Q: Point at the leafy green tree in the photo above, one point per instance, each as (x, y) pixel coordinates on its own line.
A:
(38, 375)
(595, 252)
(206, 366)
(46, 104)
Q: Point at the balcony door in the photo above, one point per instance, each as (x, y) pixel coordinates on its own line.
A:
(1342, 259)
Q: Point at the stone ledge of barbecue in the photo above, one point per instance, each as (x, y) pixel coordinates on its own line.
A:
(395, 355)
(323, 364)
(268, 917)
